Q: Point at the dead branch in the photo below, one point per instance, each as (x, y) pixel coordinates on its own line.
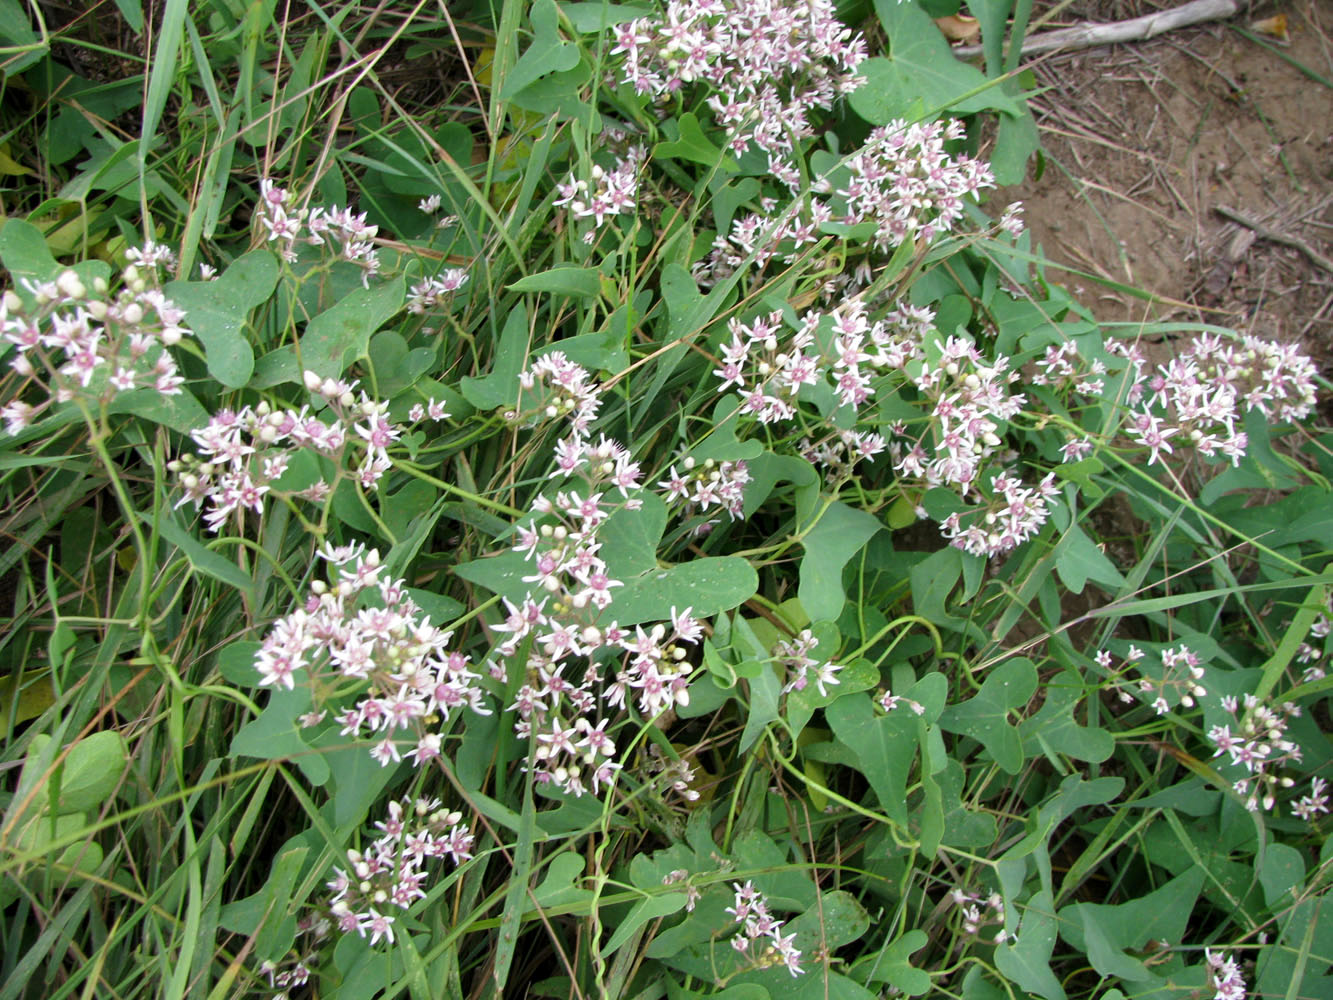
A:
(1089, 34)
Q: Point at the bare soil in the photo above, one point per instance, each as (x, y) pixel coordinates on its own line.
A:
(1145, 142)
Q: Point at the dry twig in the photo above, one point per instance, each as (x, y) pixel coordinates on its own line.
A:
(1273, 236)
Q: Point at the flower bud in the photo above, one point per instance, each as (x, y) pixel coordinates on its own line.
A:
(70, 285)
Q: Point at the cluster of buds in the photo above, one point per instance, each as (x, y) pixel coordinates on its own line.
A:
(1260, 745)
(73, 341)
(803, 669)
(611, 193)
(980, 911)
(692, 893)
(391, 871)
(760, 938)
(345, 231)
(407, 676)
(675, 774)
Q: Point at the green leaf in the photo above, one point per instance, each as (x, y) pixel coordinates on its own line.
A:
(276, 735)
(201, 558)
(764, 693)
(592, 18)
(180, 411)
(548, 53)
(217, 312)
(560, 887)
(90, 772)
(25, 254)
(396, 367)
(692, 145)
(884, 747)
(650, 908)
(1281, 874)
(1055, 727)
(1078, 561)
(265, 915)
(1027, 962)
(1106, 932)
(499, 387)
(984, 717)
(839, 534)
(920, 76)
(565, 279)
(893, 964)
(708, 585)
(341, 334)
(16, 33)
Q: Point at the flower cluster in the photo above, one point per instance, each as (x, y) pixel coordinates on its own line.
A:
(771, 66)
(1307, 807)
(760, 938)
(1012, 514)
(1259, 744)
(564, 630)
(429, 293)
(844, 347)
(889, 702)
(979, 910)
(1199, 398)
(801, 667)
(1063, 370)
(1224, 976)
(970, 400)
(1178, 681)
(295, 969)
(706, 488)
(390, 871)
(344, 230)
(842, 449)
(757, 238)
(904, 182)
(611, 193)
(74, 341)
(363, 629)
(244, 453)
(557, 388)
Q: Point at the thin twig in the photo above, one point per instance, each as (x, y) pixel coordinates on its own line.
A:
(1090, 34)
(1273, 236)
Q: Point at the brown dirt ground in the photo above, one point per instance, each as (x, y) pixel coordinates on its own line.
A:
(1145, 141)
